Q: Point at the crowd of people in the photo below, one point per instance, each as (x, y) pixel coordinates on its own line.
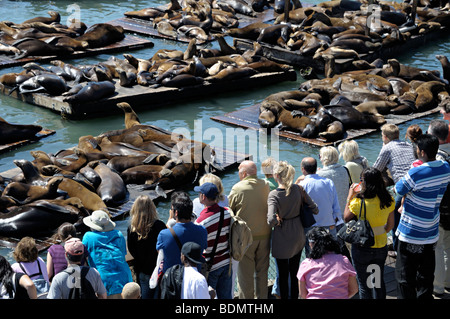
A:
(404, 193)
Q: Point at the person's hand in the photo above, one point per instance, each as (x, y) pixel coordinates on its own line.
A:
(279, 219)
(299, 179)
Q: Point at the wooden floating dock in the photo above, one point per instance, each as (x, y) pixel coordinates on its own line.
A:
(282, 55)
(8, 147)
(139, 96)
(130, 42)
(145, 27)
(248, 118)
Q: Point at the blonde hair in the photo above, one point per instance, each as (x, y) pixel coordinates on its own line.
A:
(391, 131)
(349, 150)
(328, 155)
(211, 178)
(143, 214)
(285, 174)
(267, 166)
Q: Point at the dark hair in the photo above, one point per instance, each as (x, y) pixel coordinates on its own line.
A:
(413, 132)
(64, 232)
(438, 128)
(323, 242)
(6, 274)
(374, 186)
(310, 166)
(183, 205)
(429, 144)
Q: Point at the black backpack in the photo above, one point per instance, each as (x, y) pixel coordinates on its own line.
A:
(86, 291)
(171, 282)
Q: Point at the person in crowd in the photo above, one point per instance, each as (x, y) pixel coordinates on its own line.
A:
(412, 133)
(375, 201)
(267, 169)
(326, 274)
(131, 290)
(323, 193)
(397, 156)
(142, 234)
(28, 262)
(439, 128)
(248, 200)
(445, 111)
(184, 230)
(106, 248)
(223, 199)
(337, 173)
(56, 260)
(219, 277)
(418, 230)
(172, 220)
(15, 285)
(61, 289)
(354, 162)
(284, 206)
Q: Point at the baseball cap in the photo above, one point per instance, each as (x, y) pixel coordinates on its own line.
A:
(208, 189)
(74, 247)
(193, 252)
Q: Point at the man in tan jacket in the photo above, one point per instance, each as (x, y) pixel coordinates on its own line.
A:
(248, 200)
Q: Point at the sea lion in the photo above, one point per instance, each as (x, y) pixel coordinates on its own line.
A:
(54, 17)
(376, 107)
(273, 33)
(251, 31)
(90, 200)
(112, 189)
(30, 174)
(141, 174)
(427, 94)
(36, 47)
(445, 66)
(92, 91)
(11, 133)
(231, 73)
(39, 219)
(146, 14)
(335, 131)
(49, 83)
(24, 193)
(406, 72)
(102, 34)
(353, 119)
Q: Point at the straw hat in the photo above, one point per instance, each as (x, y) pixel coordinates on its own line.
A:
(100, 221)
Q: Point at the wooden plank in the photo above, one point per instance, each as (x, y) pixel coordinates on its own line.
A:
(43, 133)
(130, 42)
(248, 118)
(139, 95)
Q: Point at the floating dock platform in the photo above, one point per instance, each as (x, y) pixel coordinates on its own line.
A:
(130, 42)
(248, 118)
(8, 147)
(139, 96)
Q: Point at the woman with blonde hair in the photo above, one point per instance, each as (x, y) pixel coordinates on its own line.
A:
(355, 163)
(288, 238)
(143, 232)
(221, 197)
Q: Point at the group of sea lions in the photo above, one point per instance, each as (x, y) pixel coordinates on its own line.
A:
(170, 68)
(47, 36)
(338, 28)
(326, 108)
(68, 185)
(198, 19)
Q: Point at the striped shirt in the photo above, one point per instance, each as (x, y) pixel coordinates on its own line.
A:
(397, 156)
(209, 218)
(424, 187)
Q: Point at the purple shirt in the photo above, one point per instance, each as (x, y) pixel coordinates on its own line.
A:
(58, 258)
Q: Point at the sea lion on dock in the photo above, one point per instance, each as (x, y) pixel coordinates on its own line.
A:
(54, 17)
(445, 66)
(145, 14)
(30, 174)
(92, 91)
(112, 189)
(353, 119)
(36, 47)
(90, 200)
(335, 131)
(251, 31)
(11, 133)
(24, 193)
(102, 34)
(49, 83)
(427, 94)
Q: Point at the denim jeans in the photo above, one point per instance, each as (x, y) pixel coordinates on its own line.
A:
(414, 270)
(369, 266)
(221, 280)
(397, 215)
(146, 292)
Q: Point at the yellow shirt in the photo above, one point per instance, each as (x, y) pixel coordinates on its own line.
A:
(376, 216)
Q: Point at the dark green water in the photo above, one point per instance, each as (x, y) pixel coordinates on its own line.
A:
(193, 116)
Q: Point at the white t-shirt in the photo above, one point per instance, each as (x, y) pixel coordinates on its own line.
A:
(194, 285)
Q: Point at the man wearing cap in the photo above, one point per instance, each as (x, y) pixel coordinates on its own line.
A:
(107, 249)
(248, 200)
(219, 276)
(184, 230)
(65, 280)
